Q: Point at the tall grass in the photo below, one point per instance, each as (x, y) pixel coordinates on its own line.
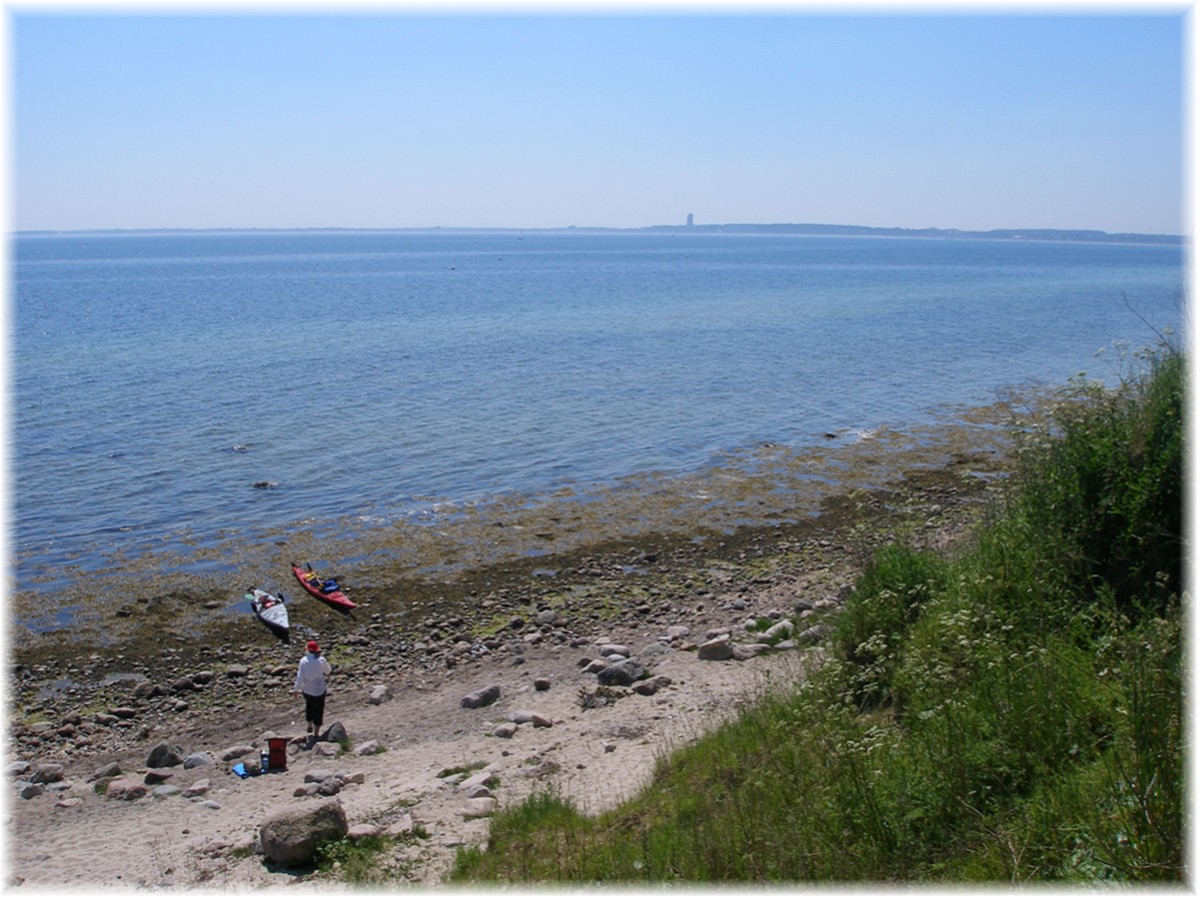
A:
(1011, 715)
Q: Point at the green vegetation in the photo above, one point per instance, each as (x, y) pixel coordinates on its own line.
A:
(1011, 715)
(461, 770)
(365, 862)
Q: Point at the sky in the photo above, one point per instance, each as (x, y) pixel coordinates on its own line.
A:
(539, 117)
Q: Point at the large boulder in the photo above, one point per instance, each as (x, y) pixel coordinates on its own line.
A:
(290, 835)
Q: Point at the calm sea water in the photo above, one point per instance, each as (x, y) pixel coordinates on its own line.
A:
(158, 378)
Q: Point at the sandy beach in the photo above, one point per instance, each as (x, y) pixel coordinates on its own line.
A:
(530, 625)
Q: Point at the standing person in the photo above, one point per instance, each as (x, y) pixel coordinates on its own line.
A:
(310, 681)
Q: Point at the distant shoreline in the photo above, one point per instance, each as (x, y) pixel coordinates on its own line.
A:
(809, 230)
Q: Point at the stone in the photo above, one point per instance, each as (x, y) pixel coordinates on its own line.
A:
(621, 650)
(17, 768)
(380, 693)
(290, 834)
(157, 776)
(655, 649)
(478, 790)
(814, 635)
(541, 684)
(47, 773)
(401, 827)
(29, 791)
(369, 748)
(361, 830)
(335, 734)
(652, 685)
(504, 730)
(329, 787)
(112, 770)
(147, 690)
(743, 652)
(197, 789)
(164, 756)
(229, 754)
(623, 673)
(479, 808)
(125, 789)
(717, 648)
(779, 631)
(196, 760)
(238, 670)
(482, 697)
(483, 776)
(166, 790)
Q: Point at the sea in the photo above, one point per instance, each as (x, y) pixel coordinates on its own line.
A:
(173, 390)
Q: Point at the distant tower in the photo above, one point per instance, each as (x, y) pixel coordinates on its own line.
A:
(690, 222)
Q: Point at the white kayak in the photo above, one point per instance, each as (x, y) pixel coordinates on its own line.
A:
(271, 611)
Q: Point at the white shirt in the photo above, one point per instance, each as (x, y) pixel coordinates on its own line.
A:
(310, 676)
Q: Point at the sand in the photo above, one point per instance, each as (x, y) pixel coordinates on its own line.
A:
(74, 838)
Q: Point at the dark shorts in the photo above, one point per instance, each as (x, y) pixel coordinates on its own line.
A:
(314, 708)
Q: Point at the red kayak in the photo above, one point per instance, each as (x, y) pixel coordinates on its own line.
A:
(325, 590)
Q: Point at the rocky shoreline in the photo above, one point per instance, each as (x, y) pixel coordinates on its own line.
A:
(68, 697)
(693, 614)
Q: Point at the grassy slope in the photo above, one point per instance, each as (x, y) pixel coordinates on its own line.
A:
(1013, 714)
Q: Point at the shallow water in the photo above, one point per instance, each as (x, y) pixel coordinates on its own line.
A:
(372, 378)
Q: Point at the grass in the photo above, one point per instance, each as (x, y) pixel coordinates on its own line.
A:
(1011, 715)
(365, 862)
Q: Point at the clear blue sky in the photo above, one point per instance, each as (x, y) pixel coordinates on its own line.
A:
(400, 118)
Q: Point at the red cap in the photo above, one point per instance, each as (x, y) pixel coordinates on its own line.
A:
(313, 647)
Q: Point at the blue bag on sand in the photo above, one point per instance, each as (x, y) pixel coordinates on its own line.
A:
(239, 770)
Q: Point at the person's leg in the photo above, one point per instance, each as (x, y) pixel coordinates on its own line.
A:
(318, 715)
(312, 715)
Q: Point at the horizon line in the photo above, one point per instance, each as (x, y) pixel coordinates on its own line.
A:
(792, 227)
